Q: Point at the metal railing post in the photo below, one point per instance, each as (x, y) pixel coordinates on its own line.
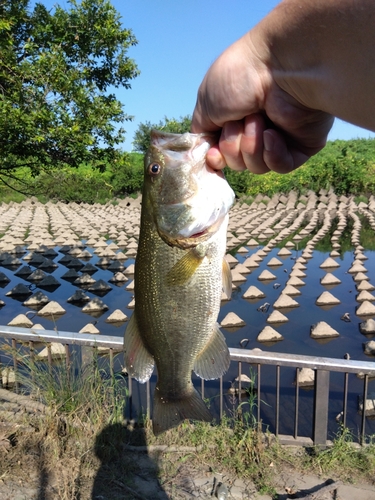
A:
(321, 398)
(364, 398)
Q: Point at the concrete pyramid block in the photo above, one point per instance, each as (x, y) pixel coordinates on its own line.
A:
(232, 320)
(53, 308)
(277, 317)
(366, 309)
(269, 334)
(253, 293)
(266, 276)
(327, 299)
(285, 302)
(322, 330)
(22, 321)
(330, 279)
(329, 263)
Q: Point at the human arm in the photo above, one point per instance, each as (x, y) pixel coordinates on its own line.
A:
(275, 92)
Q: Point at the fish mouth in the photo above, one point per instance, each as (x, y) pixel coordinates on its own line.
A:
(191, 241)
(197, 235)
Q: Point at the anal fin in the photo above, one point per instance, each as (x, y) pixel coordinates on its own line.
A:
(214, 360)
(139, 363)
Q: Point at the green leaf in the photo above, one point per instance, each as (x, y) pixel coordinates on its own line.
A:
(56, 69)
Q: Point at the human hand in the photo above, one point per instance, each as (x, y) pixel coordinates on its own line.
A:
(263, 124)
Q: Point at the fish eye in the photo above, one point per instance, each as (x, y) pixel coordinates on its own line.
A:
(154, 169)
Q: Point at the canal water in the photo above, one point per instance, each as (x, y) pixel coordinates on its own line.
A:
(295, 332)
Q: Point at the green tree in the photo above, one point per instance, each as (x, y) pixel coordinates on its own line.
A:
(141, 140)
(127, 174)
(57, 70)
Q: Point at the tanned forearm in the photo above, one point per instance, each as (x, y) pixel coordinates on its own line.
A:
(322, 52)
(274, 93)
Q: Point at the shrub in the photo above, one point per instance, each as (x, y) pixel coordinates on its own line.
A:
(348, 166)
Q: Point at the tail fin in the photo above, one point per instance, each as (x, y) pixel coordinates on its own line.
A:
(170, 413)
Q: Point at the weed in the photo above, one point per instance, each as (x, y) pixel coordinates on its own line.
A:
(85, 428)
(342, 456)
(361, 198)
(8, 195)
(86, 394)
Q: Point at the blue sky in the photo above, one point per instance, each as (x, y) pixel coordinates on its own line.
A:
(177, 43)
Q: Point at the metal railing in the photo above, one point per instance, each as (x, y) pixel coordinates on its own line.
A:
(257, 359)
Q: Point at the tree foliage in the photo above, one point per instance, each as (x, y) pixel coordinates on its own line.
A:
(347, 166)
(123, 176)
(85, 184)
(57, 70)
(141, 140)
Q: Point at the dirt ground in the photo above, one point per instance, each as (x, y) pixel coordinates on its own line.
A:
(23, 481)
(131, 470)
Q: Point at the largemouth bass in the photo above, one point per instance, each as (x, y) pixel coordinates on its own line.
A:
(180, 272)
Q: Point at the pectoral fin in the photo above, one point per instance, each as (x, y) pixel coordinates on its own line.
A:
(185, 268)
(213, 361)
(138, 361)
(227, 279)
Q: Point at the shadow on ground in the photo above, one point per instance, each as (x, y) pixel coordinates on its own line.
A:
(124, 473)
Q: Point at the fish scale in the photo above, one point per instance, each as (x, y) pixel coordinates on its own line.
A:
(188, 320)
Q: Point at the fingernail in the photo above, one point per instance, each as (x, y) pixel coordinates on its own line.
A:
(268, 141)
(231, 131)
(213, 153)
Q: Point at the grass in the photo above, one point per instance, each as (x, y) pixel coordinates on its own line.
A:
(343, 456)
(84, 430)
(87, 393)
(230, 445)
(360, 198)
(81, 405)
(7, 196)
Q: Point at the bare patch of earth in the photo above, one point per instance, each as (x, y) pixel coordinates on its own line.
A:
(33, 467)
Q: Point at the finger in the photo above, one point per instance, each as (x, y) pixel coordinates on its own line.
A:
(241, 144)
(215, 159)
(252, 144)
(229, 144)
(278, 155)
